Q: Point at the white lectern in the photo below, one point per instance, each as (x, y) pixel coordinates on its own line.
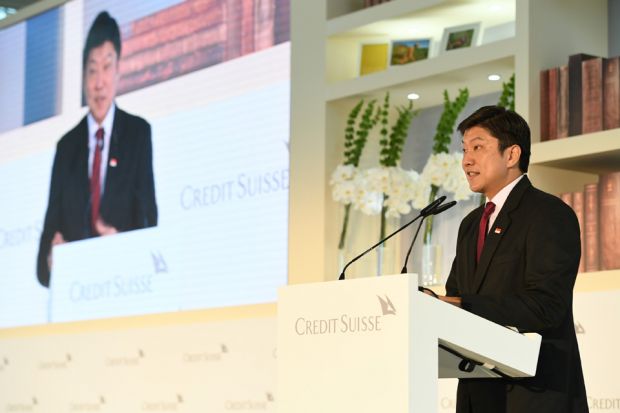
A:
(372, 345)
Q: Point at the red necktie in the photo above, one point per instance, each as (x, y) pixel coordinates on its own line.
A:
(482, 229)
(95, 185)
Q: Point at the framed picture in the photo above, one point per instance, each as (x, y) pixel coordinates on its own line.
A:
(407, 51)
(459, 37)
(373, 57)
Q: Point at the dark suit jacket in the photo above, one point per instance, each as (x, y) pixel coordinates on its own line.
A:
(128, 199)
(524, 279)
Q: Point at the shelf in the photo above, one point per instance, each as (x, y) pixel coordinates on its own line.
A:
(598, 281)
(385, 11)
(419, 18)
(585, 282)
(596, 153)
(452, 70)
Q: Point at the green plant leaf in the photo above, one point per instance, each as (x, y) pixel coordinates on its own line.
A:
(445, 126)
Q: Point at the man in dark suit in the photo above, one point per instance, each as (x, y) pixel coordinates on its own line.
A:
(516, 262)
(102, 178)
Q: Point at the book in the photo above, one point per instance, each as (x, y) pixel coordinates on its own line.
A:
(562, 127)
(159, 72)
(374, 58)
(544, 105)
(554, 86)
(574, 92)
(611, 93)
(169, 15)
(609, 218)
(247, 27)
(591, 227)
(592, 95)
(578, 202)
(263, 25)
(171, 50)
(567, 197)
(172, 31)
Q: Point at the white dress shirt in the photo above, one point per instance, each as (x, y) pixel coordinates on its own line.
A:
(93, 126)
(500, 199)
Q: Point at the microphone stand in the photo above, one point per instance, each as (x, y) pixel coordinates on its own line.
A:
(427, 210)
(437, 210)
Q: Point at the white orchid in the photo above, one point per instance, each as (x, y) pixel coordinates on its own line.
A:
(369, 190)
(343, 173)
(444, 171)
(369, 202)
(343, 184)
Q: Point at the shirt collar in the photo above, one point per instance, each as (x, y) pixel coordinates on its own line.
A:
(107, 124)
(500, 198)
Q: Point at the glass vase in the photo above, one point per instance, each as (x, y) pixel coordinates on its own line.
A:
(431, 264)
(386, 261)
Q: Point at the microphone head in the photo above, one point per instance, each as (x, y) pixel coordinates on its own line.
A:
(430, 207)
(443, 207)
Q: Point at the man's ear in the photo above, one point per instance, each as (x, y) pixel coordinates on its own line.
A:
(514, 155)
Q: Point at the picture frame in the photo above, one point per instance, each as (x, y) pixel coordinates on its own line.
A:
(460, 37)
(406, 51)
(373, 57)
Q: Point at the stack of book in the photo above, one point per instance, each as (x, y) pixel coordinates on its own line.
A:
(598, 211)
(192, 35)
(580, 97)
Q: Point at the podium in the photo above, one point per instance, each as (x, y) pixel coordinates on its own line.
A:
(379, 345)
(126, 274)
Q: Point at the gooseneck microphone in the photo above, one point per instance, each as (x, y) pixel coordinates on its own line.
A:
(427, 210)
(437, 210)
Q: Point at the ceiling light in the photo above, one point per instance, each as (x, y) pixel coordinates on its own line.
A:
(413, 96)
(494, 77)
(6, 12)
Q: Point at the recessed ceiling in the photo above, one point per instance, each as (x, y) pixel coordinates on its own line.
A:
(17, 4)
(15, 11)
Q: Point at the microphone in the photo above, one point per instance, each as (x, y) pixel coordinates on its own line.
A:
(430, 207)
(427, 210)
(443, 207)
(435, 211)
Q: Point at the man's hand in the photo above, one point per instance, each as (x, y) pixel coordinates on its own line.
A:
(104, 229)
(451, 300)
(57, 240)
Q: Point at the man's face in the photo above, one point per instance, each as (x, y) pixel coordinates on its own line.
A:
(487, 169)
(101, 79)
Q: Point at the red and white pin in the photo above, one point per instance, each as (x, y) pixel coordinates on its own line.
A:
(498, 230)
(113, 162)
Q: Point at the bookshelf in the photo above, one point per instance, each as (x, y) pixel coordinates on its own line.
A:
(343, 17)
(428, 76)
(325, 85)
(596, 153)
(566, 165)
(586, 282)
(598, 281)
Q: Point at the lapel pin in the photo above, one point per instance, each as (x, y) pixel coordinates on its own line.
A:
(498, 230)
(113, 162)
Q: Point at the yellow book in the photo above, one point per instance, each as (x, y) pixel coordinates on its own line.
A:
(374, 58)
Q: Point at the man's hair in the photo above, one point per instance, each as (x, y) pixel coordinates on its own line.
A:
(505, 125)
(104, 29)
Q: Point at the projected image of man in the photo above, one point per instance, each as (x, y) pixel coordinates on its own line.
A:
(102, 177)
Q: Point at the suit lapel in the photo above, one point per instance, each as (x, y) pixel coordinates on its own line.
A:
(490, 245)
(113, 156)
(82, 164)
(470, 256)
(495, 235)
